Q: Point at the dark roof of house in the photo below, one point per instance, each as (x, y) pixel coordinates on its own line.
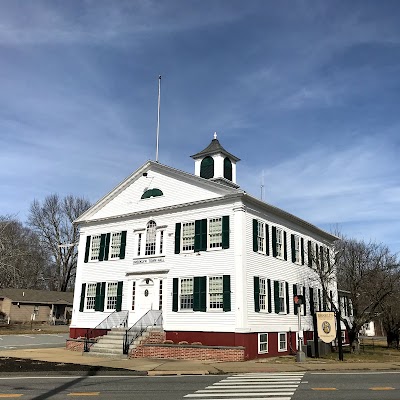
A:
(212, 148)
(37, 296)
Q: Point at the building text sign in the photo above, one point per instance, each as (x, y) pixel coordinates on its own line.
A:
(148, 260)
(326, 326)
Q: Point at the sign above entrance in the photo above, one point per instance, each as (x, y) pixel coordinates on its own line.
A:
(148, 260)
(326, 326)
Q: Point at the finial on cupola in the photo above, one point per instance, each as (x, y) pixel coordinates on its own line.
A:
(215, 135)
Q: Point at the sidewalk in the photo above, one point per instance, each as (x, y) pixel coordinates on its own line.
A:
(180, 367)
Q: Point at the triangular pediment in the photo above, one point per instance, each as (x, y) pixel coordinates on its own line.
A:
(152, 187)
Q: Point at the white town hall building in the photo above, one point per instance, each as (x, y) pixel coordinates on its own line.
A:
(223, 266)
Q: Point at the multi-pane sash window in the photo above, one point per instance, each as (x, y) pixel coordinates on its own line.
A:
(188, 236)
(281, 297)
(263, 342)
(186, 294)
(279, 242)
(282, 342)
(215, 290)
(90, 296)
(261, 237)
(150, 239)
(263, 294)
(95, 249)
(297, 249)
(115, 244)
(133, 295)
(215, 233)
(112, 295)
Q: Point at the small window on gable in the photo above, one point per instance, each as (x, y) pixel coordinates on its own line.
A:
(227, 168)
(207, 168)
(152, 193)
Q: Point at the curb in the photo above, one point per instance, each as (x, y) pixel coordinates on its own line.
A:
(166, 373)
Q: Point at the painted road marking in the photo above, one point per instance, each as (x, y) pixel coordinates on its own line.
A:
(323, 389)
(382, 388)
(84, 394)
(9, 395)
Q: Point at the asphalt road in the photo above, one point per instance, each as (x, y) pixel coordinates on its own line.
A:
(279, 386)
(29, 341)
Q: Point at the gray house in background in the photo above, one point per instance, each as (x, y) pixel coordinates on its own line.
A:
(24, 305)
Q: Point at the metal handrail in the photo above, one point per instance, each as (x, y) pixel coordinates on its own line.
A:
(150, 319)
(115, 319)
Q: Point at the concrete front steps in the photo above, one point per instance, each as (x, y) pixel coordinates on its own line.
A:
(111, 344)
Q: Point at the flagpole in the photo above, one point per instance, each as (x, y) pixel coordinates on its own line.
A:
(158, 115)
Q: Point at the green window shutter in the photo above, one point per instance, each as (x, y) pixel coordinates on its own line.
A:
(287, 298)
(267, 239)
(295, 306)
(175, 285)
(123, 245)
(319, 300)
(225, 232)
(199, 293)
(304, 301)
(284, 246)
(322, 257)
(269, 296)
(97, 299)
(87, 249)
(102, 296)
(102, 246)
(276, 296)
(255, 233)
(200, 235)
(293, 248)
(107, 248)
(83, 294)
(309, 254)
(274, 241)
(256, 294)
(226, 281)
(207, 168)
(302, 251)
(119, 296)
(316, 255)
(328, 259)
(312, 307)
(178, 226)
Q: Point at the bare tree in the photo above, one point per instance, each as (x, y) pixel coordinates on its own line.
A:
(52, 221)
(368, 272)
(22, 260)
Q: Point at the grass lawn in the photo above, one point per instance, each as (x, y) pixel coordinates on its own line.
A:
(17, 329)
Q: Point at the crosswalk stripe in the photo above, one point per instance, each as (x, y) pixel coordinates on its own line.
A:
(248, 395)
(243, 390)
(254, 398)
(258, 387)
(253, 383)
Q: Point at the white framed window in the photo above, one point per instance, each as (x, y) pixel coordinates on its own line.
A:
(36, 309)
(279, 242)
(111, 298)
(133, 295)
(281, 295)
(297, 249)
(282, 341)
(261, 243)
(343, 335)
(115, 245)
(95, 248)
(215, 233)
(263, 294)
(151, 234)
(188, 236)
(186, 294)
(215, 293)
(262, 343)
(90, 296)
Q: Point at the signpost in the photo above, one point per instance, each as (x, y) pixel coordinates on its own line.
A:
(300, 356)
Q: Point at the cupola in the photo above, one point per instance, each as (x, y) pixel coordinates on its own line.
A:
(215, 163)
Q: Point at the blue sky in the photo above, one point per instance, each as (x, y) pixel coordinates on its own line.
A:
(306, 93)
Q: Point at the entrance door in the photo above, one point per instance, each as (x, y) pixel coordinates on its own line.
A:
(145, 299)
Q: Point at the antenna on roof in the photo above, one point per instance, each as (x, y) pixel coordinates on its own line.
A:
(158, 115)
